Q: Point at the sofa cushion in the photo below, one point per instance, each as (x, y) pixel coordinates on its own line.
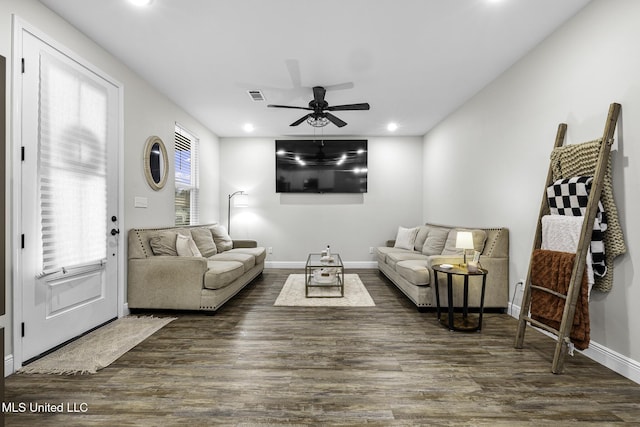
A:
(414, 271)
(435, 241)
(259, 253)
(204, 241)
(421, 236)
(221, 237)
(185, 246)
(247, 260)
(383, 251)
(164, 243)
(406, 237)
(395, 257)
(479, 237)
(183, 231)
(222, 273)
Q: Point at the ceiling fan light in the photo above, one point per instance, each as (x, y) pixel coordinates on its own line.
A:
(318, 122)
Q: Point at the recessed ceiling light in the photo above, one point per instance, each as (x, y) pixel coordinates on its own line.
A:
(141, 2)
(392, 127)
(248, 127)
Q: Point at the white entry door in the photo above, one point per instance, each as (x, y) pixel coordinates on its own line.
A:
(69, 198)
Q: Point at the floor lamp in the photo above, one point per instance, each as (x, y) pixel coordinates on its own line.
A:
(241, 201)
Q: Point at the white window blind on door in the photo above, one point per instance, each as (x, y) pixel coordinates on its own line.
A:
(72, 169)
(186, 178)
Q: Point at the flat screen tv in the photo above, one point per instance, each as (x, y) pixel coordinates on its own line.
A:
(321, 166)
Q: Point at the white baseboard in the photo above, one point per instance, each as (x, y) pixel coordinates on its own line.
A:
(615, 361)
(361, 264)
(300, 264)
(284, 264)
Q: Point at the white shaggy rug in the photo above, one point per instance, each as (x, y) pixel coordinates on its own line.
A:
(355, 294)
(98, 349)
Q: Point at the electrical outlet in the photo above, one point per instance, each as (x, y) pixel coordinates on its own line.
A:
(270, 250)
(370, 249)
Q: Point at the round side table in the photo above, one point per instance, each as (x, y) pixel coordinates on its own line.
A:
(463, 322)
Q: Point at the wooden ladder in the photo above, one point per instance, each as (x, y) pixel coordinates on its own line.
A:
(583, 246)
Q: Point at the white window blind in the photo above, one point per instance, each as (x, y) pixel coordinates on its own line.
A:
(187, 178)
(72, 167)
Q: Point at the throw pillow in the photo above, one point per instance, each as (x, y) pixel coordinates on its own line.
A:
(221, 237)
(434, 243)
(421, 236)
(204, 241)
(406, 238)
(164, 243)
(185, 246)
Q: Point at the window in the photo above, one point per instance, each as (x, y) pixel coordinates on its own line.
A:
(187, 178)
(72, 167)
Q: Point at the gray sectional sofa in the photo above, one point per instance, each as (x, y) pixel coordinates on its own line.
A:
(189, 268)
(410, 270)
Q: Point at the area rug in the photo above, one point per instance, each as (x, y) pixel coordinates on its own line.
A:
(355, 294)
(98, 349)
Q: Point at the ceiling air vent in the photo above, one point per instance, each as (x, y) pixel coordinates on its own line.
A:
(256, 95)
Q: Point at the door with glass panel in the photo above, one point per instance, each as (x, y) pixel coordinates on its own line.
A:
(68, 199)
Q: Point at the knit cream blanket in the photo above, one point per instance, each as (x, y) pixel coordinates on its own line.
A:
(581, 159)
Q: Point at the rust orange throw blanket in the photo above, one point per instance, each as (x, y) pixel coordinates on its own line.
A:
(552, 270)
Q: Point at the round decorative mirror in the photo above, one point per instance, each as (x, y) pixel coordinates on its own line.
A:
(156, 163)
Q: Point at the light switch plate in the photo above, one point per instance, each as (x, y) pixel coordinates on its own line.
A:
(141, 202)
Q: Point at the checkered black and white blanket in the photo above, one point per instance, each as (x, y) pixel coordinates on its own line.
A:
(570, 197)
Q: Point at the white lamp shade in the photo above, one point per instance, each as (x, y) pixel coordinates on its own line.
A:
(241, 200)
(464, 240)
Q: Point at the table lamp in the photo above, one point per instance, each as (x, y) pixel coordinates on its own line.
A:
(464, 241)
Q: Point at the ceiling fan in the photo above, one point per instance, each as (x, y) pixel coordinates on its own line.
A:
(320, 115)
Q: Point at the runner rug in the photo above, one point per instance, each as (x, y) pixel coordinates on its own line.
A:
(355, 294)
(98, 349)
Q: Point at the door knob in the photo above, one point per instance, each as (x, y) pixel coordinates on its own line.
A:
(114, 231)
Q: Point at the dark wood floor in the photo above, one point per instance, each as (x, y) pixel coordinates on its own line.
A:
(256, 364)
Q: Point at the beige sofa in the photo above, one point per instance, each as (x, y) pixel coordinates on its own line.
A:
(410, 269)
(203, 279)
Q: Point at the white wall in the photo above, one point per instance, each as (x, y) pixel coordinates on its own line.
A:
(296, 224)
(501, 139)
(146, 113)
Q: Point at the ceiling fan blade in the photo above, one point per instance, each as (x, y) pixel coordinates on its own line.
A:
(346, 107)
(300, 120)
(339, 86)
(293, 66)
(289, 106)
(336, 121)
(318, 94)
